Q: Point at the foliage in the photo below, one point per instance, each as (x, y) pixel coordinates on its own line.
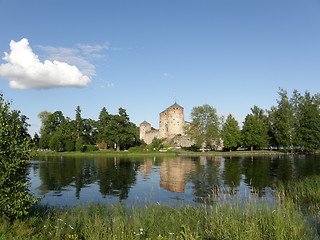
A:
(295, 122)
(250, 220)
(15, 143)
(308, 122)
(231, 134)
(91, 147)
(255, 129)
(121, 131)
(157, 143)
(305, 191)
(80, 145)
(136, 149)
(204, 128)
(282, 122)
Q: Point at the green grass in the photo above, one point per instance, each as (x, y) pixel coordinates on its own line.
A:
(250, 220)
(305, 192)
(134, 154)
(107, 153)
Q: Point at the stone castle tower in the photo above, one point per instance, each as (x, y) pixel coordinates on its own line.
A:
(171, 127)
(171, 121)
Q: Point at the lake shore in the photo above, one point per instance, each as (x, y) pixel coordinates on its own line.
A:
(249, 220)
(168, 153)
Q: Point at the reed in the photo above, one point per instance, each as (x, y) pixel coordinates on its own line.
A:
(305, 192)
(238, 220)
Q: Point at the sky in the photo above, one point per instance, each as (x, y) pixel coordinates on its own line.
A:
(143, 55)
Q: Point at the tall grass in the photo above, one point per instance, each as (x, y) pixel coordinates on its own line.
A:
(250, 220)
(305, 192)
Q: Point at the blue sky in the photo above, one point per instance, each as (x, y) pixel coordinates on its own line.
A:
(142, 55)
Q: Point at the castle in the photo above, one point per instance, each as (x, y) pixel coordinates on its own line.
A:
(171, 127)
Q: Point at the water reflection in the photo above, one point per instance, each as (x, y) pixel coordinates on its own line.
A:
(69, 180)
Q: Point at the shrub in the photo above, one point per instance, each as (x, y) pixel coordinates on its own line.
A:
(80, 145)
(15, 196)
(91, 148)
(136, 149)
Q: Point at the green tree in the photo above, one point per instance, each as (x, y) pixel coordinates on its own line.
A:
(80, 145)
(15, 197)
(282, 122)
(204, 128)
(231, 133)
(56, 142)
(79, 123)
(36, 140)
(103, 126)
(121, 131)
(255, 129)
(251, 131)
(157, 143)
(307, 121)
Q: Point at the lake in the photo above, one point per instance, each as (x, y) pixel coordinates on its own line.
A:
(64, 181)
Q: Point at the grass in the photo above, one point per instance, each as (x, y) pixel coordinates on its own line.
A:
(135, 154)
(250, 220)
(107, 153)
(305, 192)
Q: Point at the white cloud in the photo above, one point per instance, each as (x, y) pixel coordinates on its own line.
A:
(78, 56)
(92, 49)
(71, 56)
(107, 85)
(167, 75)
(24, 70)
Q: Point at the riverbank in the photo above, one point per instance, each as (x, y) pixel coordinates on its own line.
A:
(250, 221)
(168, 153)
(294, 215)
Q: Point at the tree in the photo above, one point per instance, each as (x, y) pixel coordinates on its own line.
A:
(282, 122)
(251, 131)
(79, 123)
(307, 109)
(231, 133)
(36, 140)
(204, 128)
(102, 125)
(121, 131)
(157, 143)
(15, 143)
(255, 129)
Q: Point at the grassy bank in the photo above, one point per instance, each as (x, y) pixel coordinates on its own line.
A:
(170, 153)
(249, 220)
(107, 153)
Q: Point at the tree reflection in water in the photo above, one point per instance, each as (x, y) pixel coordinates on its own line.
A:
(189, 179)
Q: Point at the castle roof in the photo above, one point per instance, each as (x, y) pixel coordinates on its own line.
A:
(175, 105)
(145, 122)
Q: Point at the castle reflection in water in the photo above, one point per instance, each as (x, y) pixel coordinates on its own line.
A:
(65, 180)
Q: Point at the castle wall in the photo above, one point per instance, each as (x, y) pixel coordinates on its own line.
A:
(182, 141)
(149, 136)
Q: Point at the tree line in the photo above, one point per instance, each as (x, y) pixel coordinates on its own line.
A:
(60, 133)
(293, 125)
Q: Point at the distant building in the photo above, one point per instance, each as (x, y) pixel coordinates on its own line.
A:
(171, 127)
